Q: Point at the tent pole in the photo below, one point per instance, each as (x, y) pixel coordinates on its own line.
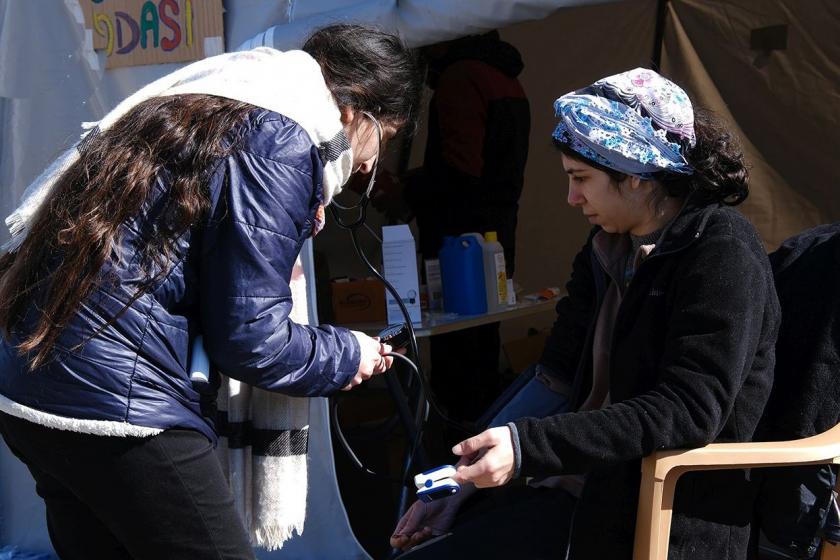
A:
(659, 33)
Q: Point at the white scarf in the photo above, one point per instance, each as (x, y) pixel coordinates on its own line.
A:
(289, 83)
(264, 446)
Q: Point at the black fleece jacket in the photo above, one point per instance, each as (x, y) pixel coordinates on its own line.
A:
(692, 363)
(806, 394)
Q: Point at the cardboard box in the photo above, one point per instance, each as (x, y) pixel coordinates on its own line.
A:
(358, 301)
(399, 262)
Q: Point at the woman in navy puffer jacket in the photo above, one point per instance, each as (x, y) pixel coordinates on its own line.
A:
(184, 213)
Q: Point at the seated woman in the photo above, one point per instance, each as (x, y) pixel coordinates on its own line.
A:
(665, 340)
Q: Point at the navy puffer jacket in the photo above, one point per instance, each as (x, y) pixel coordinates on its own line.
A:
(230, 282)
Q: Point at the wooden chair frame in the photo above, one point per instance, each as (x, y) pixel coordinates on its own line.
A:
(661, 471)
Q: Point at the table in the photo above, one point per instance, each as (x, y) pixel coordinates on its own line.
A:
(434, 323)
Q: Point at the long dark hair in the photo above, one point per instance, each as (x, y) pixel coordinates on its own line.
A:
(369, 70)
(76, 229)
(720, 170)
(74, 233)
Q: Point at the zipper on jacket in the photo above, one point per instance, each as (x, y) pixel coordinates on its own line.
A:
(598, 276)
(628, 290)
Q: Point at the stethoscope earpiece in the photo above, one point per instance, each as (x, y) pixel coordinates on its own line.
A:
(378, 152)
(361, 205)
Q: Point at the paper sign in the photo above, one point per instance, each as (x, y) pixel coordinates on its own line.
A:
(434, 285)
(136, 32)
(399, 261)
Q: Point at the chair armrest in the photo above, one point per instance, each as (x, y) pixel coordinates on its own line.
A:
(661, 470)
(815, 450)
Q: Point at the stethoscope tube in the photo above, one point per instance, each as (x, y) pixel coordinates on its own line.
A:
(424, 394)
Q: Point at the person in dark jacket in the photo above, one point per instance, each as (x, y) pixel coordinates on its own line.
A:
(665, 339)
(471, 180)
(795, 502)
(183, 213)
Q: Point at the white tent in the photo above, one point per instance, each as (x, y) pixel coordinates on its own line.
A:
(781, 95)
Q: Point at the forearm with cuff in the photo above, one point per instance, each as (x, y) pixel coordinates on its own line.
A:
(517, 451)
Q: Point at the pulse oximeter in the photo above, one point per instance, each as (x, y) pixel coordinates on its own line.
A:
(436, 483)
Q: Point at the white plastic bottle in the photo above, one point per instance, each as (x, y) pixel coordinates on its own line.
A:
(495, 274)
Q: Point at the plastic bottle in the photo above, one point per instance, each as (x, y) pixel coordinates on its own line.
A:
(462, 275)
(495, 274)
(488, 252)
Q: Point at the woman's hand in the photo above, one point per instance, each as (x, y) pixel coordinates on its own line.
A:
(486, 459)
(372, 362)
(424, 520)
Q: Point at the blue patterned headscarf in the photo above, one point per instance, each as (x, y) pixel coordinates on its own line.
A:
(636, 122)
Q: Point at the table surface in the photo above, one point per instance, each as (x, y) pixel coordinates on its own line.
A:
(433, 323)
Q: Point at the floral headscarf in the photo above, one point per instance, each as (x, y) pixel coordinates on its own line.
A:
(636, 122)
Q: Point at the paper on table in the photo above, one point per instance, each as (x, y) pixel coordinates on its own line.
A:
(399, 262)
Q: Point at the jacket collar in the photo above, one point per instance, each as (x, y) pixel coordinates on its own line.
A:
(685, 228)
(682, 231)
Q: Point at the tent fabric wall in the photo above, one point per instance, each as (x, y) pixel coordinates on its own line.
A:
(48, 87)
(418, 22)
(783, 103)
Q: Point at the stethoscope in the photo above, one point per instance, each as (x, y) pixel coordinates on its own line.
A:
(362, 203)
(424, 396)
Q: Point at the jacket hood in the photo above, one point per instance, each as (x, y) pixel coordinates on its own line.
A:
(487, 48)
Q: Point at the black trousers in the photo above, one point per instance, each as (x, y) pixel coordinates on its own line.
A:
(514, 521)
(160, 497)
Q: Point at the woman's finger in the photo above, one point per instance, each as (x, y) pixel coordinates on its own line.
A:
(471, 473)
(398, 541)
(420, 536)
(386, 363)
(474, 443)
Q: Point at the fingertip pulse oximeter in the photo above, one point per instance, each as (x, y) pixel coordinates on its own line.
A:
(436, 483)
